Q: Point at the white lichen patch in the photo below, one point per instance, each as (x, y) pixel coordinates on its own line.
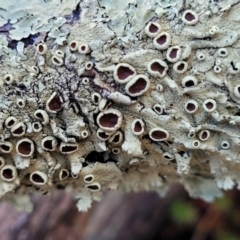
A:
(99, 95)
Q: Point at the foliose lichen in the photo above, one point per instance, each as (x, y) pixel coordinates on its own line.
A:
(99, 95)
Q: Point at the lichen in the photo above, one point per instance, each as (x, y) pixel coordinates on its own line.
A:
(136, 95)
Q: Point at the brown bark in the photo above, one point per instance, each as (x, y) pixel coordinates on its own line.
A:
(118, 216)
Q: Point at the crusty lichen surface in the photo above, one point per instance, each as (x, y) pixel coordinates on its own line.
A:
(136, 95)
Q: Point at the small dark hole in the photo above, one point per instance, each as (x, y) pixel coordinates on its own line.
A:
(116, 139)
(153, 28)
(189, 83)
(191, 107)
(158, 109)
(19, 131)
(196, 144)
(73, 45)
(96, 99)
(204, 135)
(109, 120)
(209, 105)
(40, 48)
(64, 174)
(24, 148)
(180, 67)
(190, 17)
(161, 40)
(7, 173)
(10, 123)
(137, 127)
(37, 178)
(48, 144)
(159, 135)
(5, 148)
(39, 115)
(173, 53)
(67, 149)
(103, 135)
(36, 126)
(88, 179)
(56, 60)
(93, 187)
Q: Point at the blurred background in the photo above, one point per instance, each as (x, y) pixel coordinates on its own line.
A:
(119, 216)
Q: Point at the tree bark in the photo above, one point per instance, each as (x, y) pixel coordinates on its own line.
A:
(118, 216)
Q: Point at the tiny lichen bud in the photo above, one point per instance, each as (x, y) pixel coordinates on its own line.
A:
(159, 87)
(37, 127)
(158, 109)
(73, 45)
(201, 57)
(196, 144)
(89, 65)
(225, 144)
(116, 138)
(59, 54)
(83, 49)
(217, 69)
(204, 135)
(222, 52)
(84, 134)
(21, 103)
(96, 98)
(8, 79)
(85, 81)
(116, 150)
(42, 48)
